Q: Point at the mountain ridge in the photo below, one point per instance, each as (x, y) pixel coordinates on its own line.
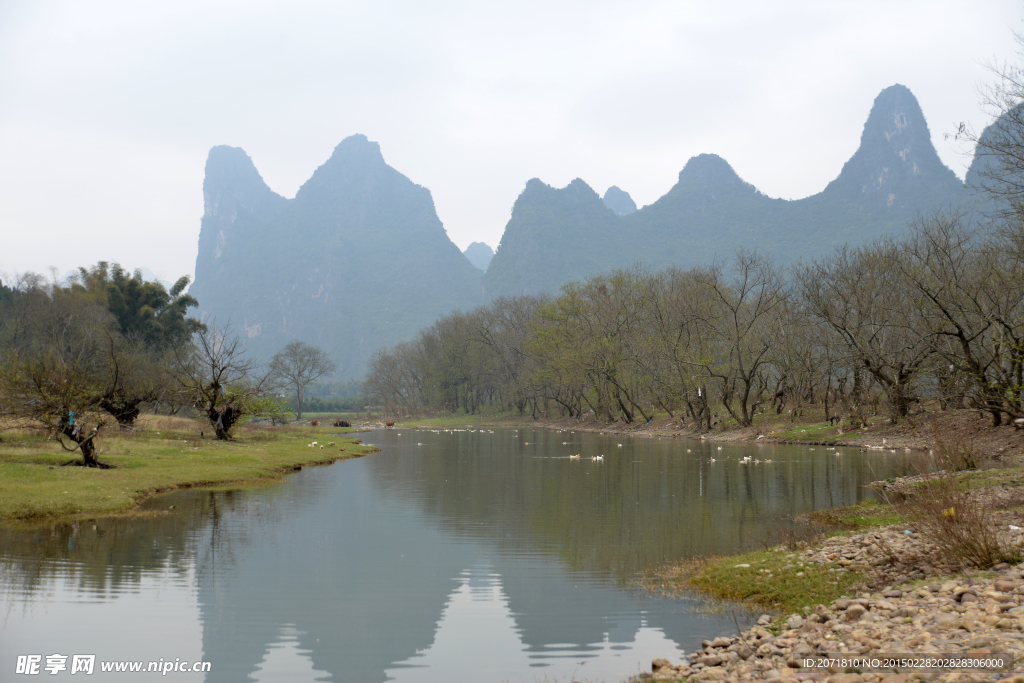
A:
(359, 260)
(356, 261)
(710, 211)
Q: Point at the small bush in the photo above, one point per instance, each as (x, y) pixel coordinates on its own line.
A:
(963, 524)
(957, 456)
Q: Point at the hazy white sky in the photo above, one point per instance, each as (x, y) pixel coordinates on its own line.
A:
(108, 108)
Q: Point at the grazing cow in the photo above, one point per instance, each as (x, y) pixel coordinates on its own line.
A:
(314, 422)
(341, 423)
(390, 424)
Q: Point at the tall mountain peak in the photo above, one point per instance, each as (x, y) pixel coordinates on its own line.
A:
(619, 201)
(897, 118)
(356, 164)
(896, 160)
(231, 167)
(540, 246)
(710, 171)
(537, 190)
(479, 254)
(357, 148)
(235, 200)
(232, 183)
(356, 261)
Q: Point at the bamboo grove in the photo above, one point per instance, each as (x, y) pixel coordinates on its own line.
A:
(937, 315)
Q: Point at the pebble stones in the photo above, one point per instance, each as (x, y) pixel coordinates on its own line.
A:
(981, 613)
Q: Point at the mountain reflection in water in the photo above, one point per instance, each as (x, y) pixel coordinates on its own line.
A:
(447, 556)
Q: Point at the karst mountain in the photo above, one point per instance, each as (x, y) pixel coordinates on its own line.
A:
(558, 235)
(359, 259)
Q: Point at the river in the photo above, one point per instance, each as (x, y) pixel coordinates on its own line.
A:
(473, 555)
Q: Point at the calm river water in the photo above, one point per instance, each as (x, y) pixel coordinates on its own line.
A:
(474, 555)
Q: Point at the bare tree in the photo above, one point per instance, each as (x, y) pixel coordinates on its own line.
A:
(974, 291)
(591, 337)
(298, 365)
(214, 375)
(746, 328)
(55, 378)
(395, 378)
(862, 295)
(504, 328)
(135, 375)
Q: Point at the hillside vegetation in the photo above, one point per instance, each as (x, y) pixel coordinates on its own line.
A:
(937, 315)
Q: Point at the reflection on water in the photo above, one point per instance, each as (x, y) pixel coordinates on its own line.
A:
(285, 662)
(448, 555)
(478, 632)
(151, 617)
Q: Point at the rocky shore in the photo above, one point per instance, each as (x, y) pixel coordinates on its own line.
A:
(917, 607)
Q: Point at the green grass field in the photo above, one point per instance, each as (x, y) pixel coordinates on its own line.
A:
(821, 432)
(162, 454)
(777, 579)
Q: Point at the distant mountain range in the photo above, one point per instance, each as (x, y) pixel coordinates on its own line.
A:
(359, 260)
(558, 235)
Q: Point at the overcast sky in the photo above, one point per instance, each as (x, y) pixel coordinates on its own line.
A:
(108, 109)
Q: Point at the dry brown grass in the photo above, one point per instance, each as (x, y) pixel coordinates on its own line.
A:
(963, 522)
(170, 423)
(19, 425)
(957, 455)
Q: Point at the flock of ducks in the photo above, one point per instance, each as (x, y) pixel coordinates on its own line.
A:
(746, 460)
(452, 431)
(884, 447)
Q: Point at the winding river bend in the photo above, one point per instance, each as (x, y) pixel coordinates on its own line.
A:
(483, 555)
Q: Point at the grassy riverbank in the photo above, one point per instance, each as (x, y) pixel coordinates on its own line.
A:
(947, 578)
(805, 569)
(161, 454)
(777, 579)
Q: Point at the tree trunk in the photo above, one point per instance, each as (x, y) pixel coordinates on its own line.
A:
(85, 445)
(665, 408)
(622, 407)
(828, 415)
(124, 411)
(223, 420)
(997, 417)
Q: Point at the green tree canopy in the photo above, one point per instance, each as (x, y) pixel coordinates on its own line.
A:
(143, 310)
